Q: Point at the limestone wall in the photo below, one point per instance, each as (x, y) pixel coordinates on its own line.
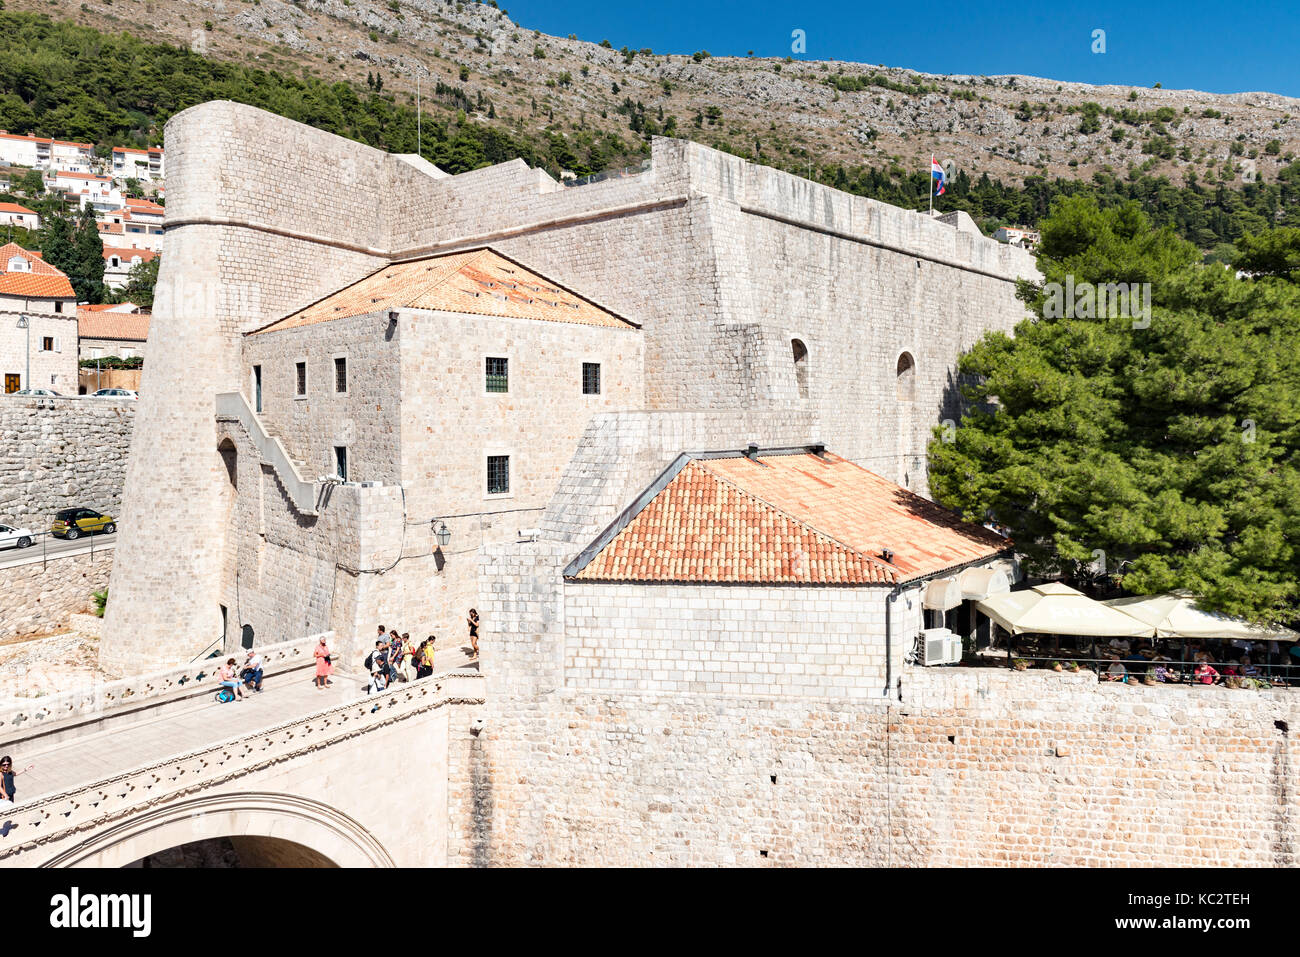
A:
(58, 453)
(732, 640)
(976, 767)
(36, 597)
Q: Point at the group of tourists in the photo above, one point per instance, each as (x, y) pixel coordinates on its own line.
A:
(395, 657)
(1237, 663)
(235, 677)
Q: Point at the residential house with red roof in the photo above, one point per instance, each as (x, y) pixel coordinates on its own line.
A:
(38, 294)
(11, 214)
(119, 261)
(138, 164)
(40, 152)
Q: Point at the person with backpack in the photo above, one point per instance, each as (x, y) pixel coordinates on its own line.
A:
(324, 664)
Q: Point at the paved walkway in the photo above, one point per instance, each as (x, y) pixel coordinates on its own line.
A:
(133, 743)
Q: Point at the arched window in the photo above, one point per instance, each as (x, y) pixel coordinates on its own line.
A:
(800, 366)
(905, 375)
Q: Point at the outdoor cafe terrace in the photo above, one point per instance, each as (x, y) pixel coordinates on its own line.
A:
(1149, 639)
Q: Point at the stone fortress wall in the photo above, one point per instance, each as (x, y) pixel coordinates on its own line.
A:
(722, 262)
(973, 767)
(59, 453)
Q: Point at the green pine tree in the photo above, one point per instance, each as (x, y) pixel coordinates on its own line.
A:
(88, 279)
(1173, 449)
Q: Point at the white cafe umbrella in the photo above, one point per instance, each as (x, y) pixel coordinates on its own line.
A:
(1176, 615)
(1056, 609)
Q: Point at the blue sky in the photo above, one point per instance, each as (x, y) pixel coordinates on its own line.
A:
(1229, 46)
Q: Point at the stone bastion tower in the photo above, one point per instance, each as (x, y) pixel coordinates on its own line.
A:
(769, 309)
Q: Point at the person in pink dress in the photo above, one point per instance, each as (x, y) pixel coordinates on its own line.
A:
(324, 667)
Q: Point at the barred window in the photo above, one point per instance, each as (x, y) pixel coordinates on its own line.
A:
(302, 377)
(498, 474)
(340, 374)
(591, 378)
(498, 374)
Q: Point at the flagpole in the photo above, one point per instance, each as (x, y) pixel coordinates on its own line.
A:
(929, 175)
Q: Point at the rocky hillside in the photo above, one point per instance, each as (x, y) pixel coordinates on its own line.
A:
(791, 113)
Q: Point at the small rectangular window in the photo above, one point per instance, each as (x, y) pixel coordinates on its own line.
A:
(58, 305)
(341, 462)
(301, 368)
(498, 474)
(591, 378)
(47, 343)
(498, 374)
(340, 374)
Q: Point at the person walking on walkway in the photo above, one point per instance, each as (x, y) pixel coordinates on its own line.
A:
(8, 795)
(417, 658)
(324, 666)
(472, 620)
(229, 676)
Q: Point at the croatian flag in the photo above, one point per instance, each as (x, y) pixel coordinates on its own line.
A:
(936, 174)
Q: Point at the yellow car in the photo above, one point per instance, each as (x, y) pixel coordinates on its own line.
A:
(72, 523)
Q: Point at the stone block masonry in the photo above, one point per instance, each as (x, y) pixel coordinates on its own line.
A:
(977, 767)
(37, 598)
(57, 453)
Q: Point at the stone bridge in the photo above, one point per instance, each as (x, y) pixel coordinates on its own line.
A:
(294, 776)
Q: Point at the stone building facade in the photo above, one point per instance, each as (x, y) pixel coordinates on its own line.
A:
(761, 297)
(34, 291)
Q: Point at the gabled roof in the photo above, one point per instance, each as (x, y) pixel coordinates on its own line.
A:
(15, 208)
(787, 516)
(112, 325)
(146, 255)
(477, 281)
(42, 282)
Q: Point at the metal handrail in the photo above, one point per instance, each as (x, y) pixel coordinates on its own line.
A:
(1283, 675)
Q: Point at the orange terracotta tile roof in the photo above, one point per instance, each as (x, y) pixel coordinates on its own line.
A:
(145, 206)
(15, 208)
(112, 325)
(126, 255)
(476, 281)
(794, 518)
(42, 139)
(43, 281)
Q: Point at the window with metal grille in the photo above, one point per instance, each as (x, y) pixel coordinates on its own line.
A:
(340, 374)
(498, 374)
(302, 377)
(591, 378)
(498, 474)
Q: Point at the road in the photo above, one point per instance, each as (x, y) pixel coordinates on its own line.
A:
(51, 547)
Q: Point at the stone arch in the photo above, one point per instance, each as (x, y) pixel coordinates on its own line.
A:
(905, 377)
(800, 352)
(320, 832)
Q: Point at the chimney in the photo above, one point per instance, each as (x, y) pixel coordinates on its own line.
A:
(751, 451)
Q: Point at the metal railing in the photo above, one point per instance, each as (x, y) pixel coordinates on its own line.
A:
(1273, 674)
(22, 556)
(608, 174)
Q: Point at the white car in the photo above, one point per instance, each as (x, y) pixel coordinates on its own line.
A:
(115, 394)
(41, 392)
(11, 537)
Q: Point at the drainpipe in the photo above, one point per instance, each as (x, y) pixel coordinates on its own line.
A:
(889, 641)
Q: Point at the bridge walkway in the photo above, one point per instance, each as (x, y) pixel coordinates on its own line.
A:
(151, 736)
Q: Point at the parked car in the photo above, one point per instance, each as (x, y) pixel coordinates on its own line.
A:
(116, 394)
(11, 537)
(72, 523)
(49, 392)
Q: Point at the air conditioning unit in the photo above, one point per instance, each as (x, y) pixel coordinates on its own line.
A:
(940, 646)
